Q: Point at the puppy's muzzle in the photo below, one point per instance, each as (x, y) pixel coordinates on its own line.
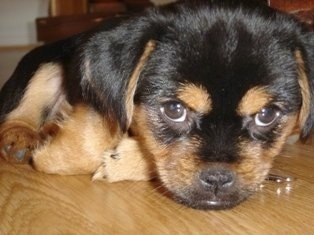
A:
(213, 188)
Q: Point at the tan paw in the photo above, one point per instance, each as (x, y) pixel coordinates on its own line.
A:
(101, 172)
(125, 163)
(17, 142)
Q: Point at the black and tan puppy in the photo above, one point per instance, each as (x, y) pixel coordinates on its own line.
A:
(204, 92)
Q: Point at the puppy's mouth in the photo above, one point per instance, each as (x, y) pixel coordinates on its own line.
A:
(212, 202)
(212, 190)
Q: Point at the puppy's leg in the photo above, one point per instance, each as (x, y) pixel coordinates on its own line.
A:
(19, 134)
(78, 144)
(126, 162)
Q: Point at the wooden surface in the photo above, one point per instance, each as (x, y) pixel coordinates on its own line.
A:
(35, 203)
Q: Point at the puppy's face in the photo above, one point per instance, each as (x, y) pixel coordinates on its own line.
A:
(214, 108)
(218, 93)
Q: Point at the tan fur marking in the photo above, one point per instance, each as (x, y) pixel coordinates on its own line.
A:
(257, 161)
(305, 89)
(149, 48)
(176, 163)
(253, 101)
(78, 145)
(127, 162)
(196, 97)
(44, 90)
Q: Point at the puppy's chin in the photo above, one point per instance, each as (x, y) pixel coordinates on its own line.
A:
(212, 202)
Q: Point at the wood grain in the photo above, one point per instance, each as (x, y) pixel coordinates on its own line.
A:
(35, 203)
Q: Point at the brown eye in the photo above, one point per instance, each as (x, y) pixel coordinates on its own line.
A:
(267, 116)
(174, 111)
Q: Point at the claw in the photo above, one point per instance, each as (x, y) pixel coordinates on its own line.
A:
(100, 174)
(20, 154)
(115, 156)
(5, 151)
(7, 147)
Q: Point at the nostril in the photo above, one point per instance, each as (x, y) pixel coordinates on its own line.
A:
(217, 179)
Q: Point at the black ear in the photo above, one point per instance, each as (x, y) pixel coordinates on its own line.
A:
(111, 63)
(305, 60)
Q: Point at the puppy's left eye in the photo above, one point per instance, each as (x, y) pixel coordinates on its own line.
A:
(267, 116)
(174, 111)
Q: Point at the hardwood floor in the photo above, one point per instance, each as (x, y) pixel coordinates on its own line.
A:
(36, 203)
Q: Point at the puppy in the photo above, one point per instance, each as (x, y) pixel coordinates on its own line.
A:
(201, 93)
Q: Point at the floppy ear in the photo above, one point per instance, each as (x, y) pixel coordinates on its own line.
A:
(112, 62)
(305, 62)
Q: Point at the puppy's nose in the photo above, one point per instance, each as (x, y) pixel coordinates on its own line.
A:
(216, 180)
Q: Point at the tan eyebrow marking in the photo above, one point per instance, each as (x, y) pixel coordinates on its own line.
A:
(196, 97)
(253, 101)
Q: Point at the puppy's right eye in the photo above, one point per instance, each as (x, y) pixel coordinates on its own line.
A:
(267, 116)
(174, 111)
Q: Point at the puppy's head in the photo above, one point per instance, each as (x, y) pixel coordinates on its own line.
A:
(217, 89)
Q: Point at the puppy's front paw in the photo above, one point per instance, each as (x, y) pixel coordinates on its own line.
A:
(101, 172)
(125, 163)
(17, 142)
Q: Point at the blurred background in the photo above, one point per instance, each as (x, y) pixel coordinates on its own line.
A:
(32, 21)
(18, 17)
